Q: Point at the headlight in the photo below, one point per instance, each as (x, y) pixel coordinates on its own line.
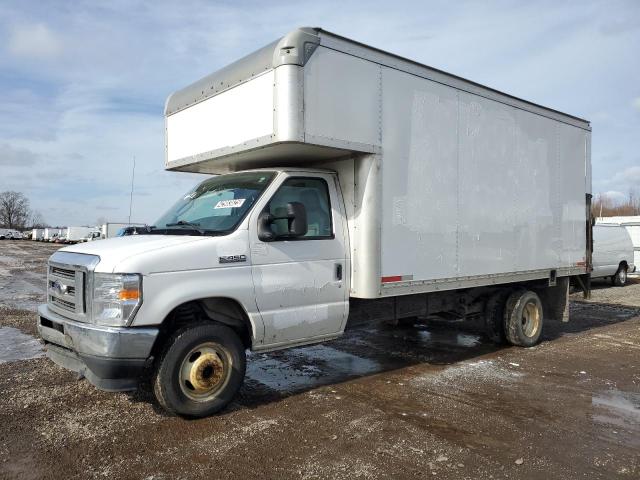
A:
(116, 298)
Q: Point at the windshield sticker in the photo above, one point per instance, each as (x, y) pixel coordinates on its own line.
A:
(230, 203)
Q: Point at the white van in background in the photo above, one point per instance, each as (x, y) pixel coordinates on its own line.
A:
(10, 234)
(612, 253)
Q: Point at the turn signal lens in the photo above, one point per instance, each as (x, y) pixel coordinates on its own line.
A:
(129, 294)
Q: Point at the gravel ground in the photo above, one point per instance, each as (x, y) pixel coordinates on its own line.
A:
(425, 401)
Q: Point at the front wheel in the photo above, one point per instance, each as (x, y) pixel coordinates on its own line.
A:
(523, 317)
(620, 278)
(200, 370)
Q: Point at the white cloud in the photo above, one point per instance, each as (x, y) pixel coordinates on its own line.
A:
(615, 196)
(36, 41)
(625, 180)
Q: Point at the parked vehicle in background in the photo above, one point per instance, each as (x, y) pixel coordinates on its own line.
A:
(10, 234)
(50, 233)
(59, 238)
(632, 224)
(26, 235)
(94, 234)
(37, 234)
(132, 230)
(613, 255)
(75, 234)
(387, 190)
(110, 230)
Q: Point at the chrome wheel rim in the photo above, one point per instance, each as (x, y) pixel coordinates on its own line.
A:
(530, 319)
(204, 371)
(623, 276)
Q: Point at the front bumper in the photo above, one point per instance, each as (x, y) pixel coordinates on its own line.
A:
(111, 358)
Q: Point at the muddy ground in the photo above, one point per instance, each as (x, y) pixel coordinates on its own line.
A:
(426, 401)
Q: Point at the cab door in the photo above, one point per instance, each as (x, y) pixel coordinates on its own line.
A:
(301, 283)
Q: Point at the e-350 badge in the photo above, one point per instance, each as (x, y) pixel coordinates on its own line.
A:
(233, 258)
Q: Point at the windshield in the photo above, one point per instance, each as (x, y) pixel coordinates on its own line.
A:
(216, 205)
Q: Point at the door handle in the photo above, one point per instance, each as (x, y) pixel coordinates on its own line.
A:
(338, 271)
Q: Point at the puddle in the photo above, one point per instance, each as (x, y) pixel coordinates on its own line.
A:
(15, 345)
(450, 338)
(620, 411)
(309, 367)
(21, 293)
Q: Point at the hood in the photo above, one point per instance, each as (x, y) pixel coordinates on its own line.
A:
(149, 254)
(113, 251)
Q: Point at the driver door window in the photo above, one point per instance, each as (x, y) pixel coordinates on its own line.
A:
(313, 193)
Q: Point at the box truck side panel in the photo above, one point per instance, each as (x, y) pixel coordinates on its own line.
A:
(420, 178)
(236, 116)
(572, 144)
(474, 187)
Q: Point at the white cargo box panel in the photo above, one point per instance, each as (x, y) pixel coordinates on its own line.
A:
(228, 119)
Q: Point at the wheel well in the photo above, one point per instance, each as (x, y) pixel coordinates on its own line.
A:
(624, 265)
(222, 310)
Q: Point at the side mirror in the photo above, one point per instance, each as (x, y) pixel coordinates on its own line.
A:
(265, 234)
(296, 217)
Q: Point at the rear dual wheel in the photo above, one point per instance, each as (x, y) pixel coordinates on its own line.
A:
(515, 317)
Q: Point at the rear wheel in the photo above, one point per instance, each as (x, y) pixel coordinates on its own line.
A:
(523, 317)
(620, 278)
(200, 370)
(494, 318)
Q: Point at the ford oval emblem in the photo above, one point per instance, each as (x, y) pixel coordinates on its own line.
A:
(59, 287)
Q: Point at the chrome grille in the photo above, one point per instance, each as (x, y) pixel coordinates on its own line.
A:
(70, 306)
(63, 272)
(65, 291)
(69, 284)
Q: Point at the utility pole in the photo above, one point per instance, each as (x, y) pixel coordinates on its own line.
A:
(133, 173)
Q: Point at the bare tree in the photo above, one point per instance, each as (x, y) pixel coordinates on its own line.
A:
(605, 206)
(37, 220)
(14, 210)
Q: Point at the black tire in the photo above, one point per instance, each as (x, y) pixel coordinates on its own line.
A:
(620, 278)
(523, 318)
(210, 347)
(494, 318)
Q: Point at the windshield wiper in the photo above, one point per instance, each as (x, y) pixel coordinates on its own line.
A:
(194, 226)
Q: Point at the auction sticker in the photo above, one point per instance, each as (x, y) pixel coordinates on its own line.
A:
(230, 203)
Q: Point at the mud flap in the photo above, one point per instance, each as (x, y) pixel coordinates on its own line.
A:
(555, 300)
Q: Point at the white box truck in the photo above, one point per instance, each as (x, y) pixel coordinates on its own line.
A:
(37, 234)
(50, 234)
(353, 186)
(110, 230)
(76, 234)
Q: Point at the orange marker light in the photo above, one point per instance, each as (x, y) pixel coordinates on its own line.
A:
(129, 294)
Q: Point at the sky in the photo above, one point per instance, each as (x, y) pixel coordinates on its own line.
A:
(83, 83)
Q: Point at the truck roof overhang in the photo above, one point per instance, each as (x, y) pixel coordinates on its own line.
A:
(295, 48)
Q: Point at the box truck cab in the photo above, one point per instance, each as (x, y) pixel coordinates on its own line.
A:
(352, 186)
